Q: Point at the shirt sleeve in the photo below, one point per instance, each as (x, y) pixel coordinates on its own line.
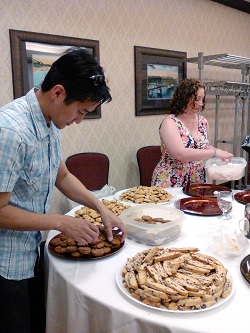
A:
(11, 158)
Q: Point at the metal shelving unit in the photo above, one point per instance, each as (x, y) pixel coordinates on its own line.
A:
(241, 91)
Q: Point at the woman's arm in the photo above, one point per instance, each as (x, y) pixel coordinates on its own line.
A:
(170, 135)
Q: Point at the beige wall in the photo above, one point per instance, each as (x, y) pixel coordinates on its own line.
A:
(184, 25)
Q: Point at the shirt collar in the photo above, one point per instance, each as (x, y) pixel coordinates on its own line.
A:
(40, 125)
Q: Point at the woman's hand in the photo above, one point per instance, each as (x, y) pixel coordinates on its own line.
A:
(223, 154)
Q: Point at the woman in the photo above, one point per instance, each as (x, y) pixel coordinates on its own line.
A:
(184, 139)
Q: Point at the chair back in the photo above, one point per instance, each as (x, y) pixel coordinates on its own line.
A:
(147, 158)
(92, 169)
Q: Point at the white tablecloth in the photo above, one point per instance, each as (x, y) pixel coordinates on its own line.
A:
(83, 297)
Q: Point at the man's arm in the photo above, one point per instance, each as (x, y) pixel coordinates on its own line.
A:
(14, 218)
(71, 187)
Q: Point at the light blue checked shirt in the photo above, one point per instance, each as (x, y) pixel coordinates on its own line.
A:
(30, 154)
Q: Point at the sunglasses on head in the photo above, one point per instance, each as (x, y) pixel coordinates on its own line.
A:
(98, 79)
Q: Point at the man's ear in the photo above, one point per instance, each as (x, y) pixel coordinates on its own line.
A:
(58, 91)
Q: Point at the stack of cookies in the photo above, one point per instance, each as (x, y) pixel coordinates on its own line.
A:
(69, 248)
(176, 278)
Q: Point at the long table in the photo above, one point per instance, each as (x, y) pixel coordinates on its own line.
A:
(83, 296)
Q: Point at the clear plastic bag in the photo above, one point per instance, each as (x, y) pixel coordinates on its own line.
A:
(102, 193)
(226, 242)
(106, 191)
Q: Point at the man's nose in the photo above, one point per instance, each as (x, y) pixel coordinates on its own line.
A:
(80, 117)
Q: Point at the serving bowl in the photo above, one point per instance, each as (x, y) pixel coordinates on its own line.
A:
(218, 169)
(153, 234)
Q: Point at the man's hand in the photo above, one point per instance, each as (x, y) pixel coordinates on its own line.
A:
(82, 231)
(110, 220)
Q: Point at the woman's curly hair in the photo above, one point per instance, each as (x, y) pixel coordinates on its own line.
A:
(186, 89)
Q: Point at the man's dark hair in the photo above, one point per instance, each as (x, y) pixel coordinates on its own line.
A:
(81, 76)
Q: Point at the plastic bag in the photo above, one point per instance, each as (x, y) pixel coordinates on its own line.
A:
(226, 242)
(106, 191)
(246, 144)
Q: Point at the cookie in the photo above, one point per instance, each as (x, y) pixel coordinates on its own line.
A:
(177, 278)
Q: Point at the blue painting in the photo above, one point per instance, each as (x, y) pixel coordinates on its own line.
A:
(41, 64)
(162, 81)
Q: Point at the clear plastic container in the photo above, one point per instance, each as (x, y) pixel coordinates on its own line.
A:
(153, 234)
(218, 169)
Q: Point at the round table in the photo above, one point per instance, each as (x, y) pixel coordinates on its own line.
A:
(83, 296)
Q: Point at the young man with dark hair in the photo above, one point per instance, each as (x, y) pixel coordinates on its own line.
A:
(30, 166)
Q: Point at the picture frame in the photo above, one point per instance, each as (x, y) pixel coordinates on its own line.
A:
(157, 74)
(32, 54)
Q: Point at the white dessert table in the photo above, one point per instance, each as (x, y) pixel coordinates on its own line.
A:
(83, 296)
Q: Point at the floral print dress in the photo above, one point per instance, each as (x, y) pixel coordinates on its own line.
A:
(170, 172)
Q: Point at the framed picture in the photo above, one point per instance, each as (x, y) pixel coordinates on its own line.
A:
(32, 55)
(157, 74)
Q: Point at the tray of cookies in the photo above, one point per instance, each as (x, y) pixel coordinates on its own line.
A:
(145, 195)
(175, 280)
(67, 248)
(94, 217)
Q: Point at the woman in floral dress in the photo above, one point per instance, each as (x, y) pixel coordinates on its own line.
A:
(185, 140)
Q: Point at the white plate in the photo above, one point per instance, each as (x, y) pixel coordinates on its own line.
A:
(117, 197)
(73, 210)
(119, 281)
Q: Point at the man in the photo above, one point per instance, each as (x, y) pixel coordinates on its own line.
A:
(30, 165)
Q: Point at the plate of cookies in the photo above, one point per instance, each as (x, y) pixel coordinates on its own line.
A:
(145, 195)
(180, 280)
(67, 248)
(93, 216)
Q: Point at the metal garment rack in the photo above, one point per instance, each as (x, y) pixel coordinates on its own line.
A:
(241, 91)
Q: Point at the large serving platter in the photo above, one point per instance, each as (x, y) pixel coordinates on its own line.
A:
(67, 256)
(203, 206)
(245, 268)
(204, 190)
(118, 194)
(242, 197)
(220, 302)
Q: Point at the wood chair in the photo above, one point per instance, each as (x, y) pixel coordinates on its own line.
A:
(147, 158)
(92, 169)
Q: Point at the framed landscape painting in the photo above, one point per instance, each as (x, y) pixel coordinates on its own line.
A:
(157, 74)
(32, 55)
